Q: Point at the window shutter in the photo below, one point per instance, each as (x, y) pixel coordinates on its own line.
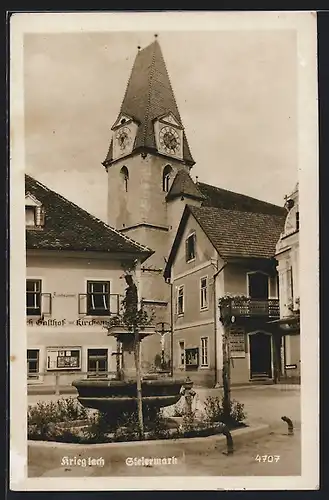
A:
(41, 216)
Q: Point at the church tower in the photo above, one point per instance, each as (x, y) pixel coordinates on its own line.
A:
(148, 149)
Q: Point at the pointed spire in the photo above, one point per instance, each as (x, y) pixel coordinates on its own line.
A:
(149, 95)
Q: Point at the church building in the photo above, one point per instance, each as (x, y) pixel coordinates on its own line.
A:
(152, 199)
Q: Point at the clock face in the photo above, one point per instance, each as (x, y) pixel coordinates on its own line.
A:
(123, 138)
(169, 140)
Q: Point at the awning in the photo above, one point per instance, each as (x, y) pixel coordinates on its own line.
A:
(289, 325)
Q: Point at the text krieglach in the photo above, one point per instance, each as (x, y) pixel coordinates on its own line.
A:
(82, 462)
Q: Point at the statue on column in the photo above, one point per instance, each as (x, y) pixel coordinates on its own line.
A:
(131, 299)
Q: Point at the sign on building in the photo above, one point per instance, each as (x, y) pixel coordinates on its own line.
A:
(237, 343)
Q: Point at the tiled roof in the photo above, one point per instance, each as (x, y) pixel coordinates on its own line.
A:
(148, 96)
(184, 185)
(221, 198)
(240, 234)
(69, 227)
(233, 233)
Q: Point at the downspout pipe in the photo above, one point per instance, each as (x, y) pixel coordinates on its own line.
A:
(172, 327)
(215, 318)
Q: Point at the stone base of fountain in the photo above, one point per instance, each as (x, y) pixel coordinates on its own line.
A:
(117, 396)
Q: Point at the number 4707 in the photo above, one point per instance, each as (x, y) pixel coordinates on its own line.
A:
(267, 458)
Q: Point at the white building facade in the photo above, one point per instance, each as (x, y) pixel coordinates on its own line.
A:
(74, 281)
(287, 256)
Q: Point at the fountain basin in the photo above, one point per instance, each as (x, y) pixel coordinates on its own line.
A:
(117, 396)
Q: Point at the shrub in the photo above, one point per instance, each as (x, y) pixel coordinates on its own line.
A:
(214, 411)
(42, 416)
(157, 427)
(98, 429)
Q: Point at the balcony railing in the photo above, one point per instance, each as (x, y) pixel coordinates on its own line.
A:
(254, 308)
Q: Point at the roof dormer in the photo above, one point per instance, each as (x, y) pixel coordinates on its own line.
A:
(170, 119)
(34, 212)
(122, 119)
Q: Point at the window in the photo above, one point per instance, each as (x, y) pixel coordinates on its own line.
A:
(63, 358)
(297, 221)
(34, 216)
(97, 362)
(258, 285)
(181, 352)
(32, 363)
(204, 293)
(33, 297)
(180, 300)
(190, 247)
(166, 178)
(98, 295)
(125, 176)
(204, 351)
(192, 358)
(30, 216)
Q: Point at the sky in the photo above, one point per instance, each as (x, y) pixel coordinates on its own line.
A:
(236, 92)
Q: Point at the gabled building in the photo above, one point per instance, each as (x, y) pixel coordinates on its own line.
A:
(74, 269)
(216, 252)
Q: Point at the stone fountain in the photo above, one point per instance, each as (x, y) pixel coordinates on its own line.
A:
(119, 395)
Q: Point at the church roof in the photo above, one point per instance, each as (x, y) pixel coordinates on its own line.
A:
(69, 227)
(233, 233)
(149, 95)
(183, 185)
(222, 198)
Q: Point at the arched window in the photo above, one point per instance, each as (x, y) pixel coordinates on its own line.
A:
(125, 176)
(166, 178)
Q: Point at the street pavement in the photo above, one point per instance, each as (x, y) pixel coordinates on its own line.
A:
(276, 454)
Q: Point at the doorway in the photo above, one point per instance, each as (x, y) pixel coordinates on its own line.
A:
(260, 355)
(258, 286)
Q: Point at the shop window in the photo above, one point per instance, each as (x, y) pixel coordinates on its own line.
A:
(97, 362)
(64, 358)
(192, 358)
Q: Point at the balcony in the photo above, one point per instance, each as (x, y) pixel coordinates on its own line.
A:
(255, 308)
